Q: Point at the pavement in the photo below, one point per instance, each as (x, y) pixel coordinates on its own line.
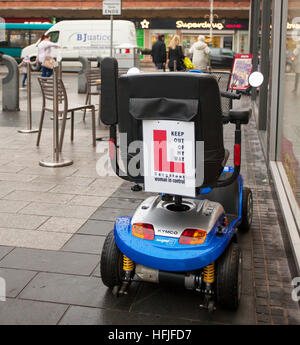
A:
(53, 224)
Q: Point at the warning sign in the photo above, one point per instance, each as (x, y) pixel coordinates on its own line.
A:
(169, 157)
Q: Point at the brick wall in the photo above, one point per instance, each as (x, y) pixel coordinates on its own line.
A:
(142, 8)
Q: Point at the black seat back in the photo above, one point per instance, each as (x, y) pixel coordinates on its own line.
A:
(173, 96)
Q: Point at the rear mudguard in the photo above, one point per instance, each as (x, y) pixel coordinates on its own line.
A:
(166, 253)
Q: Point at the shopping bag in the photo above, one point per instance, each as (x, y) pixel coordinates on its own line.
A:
(48, 62)
(188, 63)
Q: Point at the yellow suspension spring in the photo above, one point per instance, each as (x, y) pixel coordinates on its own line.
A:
(209, 273)
(128, 264)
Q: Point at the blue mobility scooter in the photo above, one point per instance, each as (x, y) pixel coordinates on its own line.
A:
(187, 234)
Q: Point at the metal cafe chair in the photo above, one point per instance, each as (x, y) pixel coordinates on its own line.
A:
(47, 86)
(93, 79)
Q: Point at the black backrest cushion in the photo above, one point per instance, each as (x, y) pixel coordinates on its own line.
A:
(196, 95)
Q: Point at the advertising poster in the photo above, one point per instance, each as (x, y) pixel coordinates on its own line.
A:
(241, 70)
(169, 157)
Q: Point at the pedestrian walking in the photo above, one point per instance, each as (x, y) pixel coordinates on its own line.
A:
(45, 55)
(159, 53)
(175, 55)
(297, 68)
(200, 53)
(23, 69)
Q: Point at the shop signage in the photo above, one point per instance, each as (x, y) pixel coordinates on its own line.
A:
(28, 20)
(241, 70)
(169, 157)
(293, 26)
(145, 24)
(198, 25)
(112, 7)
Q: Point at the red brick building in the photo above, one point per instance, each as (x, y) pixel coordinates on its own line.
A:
(186, 18)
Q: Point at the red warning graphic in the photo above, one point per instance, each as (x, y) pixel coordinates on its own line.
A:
(161, 162)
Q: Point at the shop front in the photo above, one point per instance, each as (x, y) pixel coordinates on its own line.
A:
(226, 33)
(279, 121)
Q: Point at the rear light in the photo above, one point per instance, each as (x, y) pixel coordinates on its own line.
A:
(144, 231)
(112, 149)
(127, 51)
(293, 58)
(193, 236)
(237, 155)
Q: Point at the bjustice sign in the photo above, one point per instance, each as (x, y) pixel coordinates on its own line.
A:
(169, 157)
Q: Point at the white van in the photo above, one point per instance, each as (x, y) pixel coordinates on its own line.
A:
(87, 38)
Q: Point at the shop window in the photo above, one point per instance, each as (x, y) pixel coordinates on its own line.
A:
(289, 135)
(228, 42)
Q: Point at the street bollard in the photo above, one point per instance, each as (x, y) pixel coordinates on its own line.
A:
(10, 85)
(29, 128)
(57, 160)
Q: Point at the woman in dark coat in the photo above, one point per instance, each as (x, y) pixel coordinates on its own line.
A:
(175, 55)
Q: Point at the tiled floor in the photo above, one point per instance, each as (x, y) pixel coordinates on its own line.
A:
(53, 223)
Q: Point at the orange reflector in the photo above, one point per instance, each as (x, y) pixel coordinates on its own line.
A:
(193, 236)
(237, 155)
(144, 231)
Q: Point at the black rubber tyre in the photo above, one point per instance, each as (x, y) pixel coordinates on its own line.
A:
(229, 277)
(247, 210)
(111, 262)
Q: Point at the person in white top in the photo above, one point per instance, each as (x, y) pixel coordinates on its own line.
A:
(200, 53)
(44, 50)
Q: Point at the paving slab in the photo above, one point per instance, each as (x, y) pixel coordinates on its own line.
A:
(127, 203)
(30, 186)
(96, 227)
(33, 239)
(110, 214)
(83, 190)
(4, 251)
(16, 177)
(12, 206)
(52, 198)
(85, 244)
(95, 316)
(87, 200)
(15, 280)
(20, 312)
(51, 261)
(69, 180)
(156, 299)
(96, 272)
(78, 290)
(45, 209)
(62, 224)
(21, 221)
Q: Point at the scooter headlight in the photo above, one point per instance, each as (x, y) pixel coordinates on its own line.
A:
(143, 230)
(193, 236)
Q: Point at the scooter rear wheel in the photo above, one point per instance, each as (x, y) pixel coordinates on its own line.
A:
(229, 277)
(111, 262)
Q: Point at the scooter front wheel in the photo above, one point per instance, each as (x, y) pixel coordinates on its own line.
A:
(229, 277)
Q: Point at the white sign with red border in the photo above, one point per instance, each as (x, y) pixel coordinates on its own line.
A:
(169, 157)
